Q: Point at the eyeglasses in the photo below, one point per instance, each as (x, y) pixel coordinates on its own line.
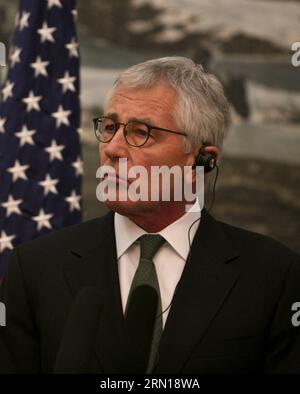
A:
(135, 133)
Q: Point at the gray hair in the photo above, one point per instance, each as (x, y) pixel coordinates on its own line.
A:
(202, 110)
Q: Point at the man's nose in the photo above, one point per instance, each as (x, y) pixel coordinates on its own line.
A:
(118, 146)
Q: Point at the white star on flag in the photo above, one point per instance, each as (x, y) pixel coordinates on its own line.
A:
(7, 90)
(61, 116)
(55, 151)
(54, 3)
(39, 67)
(49, 185)
(32, 102)
(2, 123)
(15, 56)
(73, 201)
(78, 165)
(72, 48)
(42, 220)
(25, 136)
(23, 21)
(18, 171)
(12, 206)
(75, 14)
(46, 33)
(67, 82)
(5, 241)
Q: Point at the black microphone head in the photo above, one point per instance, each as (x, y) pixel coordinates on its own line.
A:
(78, 342)
(138, 330)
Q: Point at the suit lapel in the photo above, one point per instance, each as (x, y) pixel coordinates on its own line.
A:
(94, 263)
(204, 285)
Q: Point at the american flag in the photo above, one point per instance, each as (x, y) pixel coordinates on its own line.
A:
(40, 156)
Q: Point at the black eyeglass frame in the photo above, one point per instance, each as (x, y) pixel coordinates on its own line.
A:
(118, 124)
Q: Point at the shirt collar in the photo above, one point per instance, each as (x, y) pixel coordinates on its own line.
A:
(176, 233)
(126, 233)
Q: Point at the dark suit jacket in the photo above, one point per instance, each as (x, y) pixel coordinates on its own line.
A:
(231, 313)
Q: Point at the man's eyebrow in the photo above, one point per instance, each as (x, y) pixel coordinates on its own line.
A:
(115, 117)
(143, 120)
(112, 115)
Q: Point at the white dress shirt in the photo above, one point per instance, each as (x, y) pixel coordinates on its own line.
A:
(169, 260)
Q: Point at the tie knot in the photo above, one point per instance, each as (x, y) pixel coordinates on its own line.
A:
(150, 243)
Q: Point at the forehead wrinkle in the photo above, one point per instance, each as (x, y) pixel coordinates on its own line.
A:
(159, 104)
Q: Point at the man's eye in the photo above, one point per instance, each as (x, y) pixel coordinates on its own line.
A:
(109, 128)
(142, 133)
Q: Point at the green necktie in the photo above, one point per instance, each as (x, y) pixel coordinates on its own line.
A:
(146, 275)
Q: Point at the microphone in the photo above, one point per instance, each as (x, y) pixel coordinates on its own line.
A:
(78, 342)
(138, 330)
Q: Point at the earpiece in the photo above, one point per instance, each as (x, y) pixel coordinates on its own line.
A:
(207, 160)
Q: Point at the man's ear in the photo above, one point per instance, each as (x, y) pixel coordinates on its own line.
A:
(209, 150)
(192, 155)
(214, 151)
(191, 161)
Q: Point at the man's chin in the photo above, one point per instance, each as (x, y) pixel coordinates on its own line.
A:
(128, 207)
(123, 207)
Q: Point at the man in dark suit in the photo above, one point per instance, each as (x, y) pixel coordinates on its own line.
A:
(226, 301)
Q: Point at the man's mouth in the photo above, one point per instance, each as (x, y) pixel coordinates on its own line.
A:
(115, 178)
